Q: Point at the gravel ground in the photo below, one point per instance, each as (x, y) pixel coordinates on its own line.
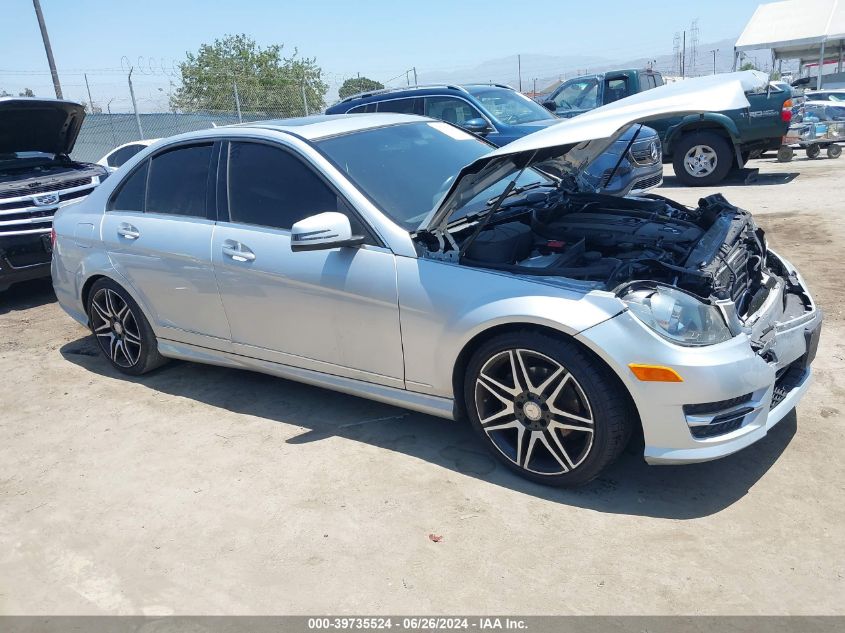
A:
(200, 489)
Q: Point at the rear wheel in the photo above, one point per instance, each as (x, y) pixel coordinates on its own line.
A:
(123, 334)
(546, 409)
(785, 154)
(702, 158)
(834, 151)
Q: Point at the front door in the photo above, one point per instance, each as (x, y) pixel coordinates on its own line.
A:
(334, 311)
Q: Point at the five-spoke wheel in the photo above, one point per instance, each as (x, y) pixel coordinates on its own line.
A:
(557, 416)
(702, 158)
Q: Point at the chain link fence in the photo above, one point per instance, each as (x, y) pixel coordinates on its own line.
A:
(222, 103)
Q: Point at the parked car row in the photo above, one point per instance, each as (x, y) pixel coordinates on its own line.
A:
(403, 259)
(500, 115)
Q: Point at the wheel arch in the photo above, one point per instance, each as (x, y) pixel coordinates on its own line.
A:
(89, 282)
(480, 338)
(711, 122)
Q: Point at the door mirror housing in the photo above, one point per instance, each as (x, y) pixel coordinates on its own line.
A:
(476, 126)
(550, 105)
(323, 231)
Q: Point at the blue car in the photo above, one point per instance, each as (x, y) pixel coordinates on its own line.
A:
(500, 115)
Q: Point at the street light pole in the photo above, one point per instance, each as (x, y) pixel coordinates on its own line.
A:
(714, 59)
(48, 49)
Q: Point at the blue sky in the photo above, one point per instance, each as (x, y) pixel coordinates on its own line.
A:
(377, 38)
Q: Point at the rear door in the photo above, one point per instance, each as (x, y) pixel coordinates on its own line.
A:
(334, 311)
(158, 230)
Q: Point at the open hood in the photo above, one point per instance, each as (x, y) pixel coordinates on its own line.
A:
(578, 141)
(39, 125)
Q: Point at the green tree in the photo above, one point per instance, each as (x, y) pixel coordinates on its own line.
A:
(748, 66)
(268, 83)
(27, 92)
(358, 84)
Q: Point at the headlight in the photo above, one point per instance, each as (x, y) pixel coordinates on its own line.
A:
(677, 316)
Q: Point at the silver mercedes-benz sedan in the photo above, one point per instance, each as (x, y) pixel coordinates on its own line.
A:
(398, 258)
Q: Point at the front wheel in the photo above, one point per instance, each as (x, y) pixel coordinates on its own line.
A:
(834, 151)
(546, 409)
(813, 151)
(702, 158)
(123, 333)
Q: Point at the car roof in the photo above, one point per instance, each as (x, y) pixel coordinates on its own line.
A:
(416, 91)
(322, 125)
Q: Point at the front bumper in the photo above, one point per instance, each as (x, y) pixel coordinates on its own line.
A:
(23, 258)
(732, 393)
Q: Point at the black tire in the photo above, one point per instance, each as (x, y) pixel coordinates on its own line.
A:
(716, 145)
(785, 154)
(813, 150)
(123, 333)
(834, 151)
(583, 389)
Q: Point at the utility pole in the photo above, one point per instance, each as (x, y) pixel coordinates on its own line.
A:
(135, 105)
(684, 57)
(90, 100)
(519, 70)
(415, 76)
(535, 87)
(48, 49)
(714, 59)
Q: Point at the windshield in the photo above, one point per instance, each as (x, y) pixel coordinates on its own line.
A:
(406, 169)
(511, 107)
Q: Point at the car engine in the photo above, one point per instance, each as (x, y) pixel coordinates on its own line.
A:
(714, 251)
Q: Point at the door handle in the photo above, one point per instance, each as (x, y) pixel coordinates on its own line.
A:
(238, 251)
(128, 231)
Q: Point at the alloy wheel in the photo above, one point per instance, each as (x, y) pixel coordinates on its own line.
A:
(534, 411)
(700, 161)
(115, 327)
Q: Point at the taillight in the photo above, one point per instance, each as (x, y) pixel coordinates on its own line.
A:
(53, 238)
(786, 111)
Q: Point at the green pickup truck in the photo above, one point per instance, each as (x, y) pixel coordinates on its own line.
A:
(703, 148)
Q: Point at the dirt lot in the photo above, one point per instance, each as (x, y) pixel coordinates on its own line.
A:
(207, 490)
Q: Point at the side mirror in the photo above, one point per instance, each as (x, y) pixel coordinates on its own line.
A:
(476, 126)
(323, 231)
(550, 105)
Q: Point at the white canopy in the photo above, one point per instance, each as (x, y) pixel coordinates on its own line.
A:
(794, 25)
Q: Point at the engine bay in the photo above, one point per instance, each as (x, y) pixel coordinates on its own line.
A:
(714, 251)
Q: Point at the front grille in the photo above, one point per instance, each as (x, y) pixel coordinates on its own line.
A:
(641, 152)
(651, 181)
(789, 379)
(23, 217)
(44, 188)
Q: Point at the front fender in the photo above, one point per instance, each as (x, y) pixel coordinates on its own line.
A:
(444, 306)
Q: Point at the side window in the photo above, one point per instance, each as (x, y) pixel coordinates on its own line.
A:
(178, 181)
(130, 193)
(400, 106)
(271, 187)
(615, 89)
(116, 159)
(450, 109)
(367, 107)
(581, 94)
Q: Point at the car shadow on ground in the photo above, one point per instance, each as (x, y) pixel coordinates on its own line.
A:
(628, 487)
(26, 295)
(743, 178)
